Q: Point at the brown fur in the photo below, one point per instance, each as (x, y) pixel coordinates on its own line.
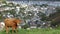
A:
(11, 22)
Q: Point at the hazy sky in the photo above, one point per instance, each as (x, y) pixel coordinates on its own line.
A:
(34, 0)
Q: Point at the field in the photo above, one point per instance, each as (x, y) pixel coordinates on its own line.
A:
(36, 31)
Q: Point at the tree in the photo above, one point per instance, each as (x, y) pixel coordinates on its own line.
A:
(55, 18)
(45, 5)
(3, 0)
(1, 18)
(11, 5)
(43, 16)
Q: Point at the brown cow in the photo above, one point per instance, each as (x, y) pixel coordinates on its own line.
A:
(11, 22)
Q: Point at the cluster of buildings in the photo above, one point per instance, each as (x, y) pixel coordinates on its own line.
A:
(29, 7)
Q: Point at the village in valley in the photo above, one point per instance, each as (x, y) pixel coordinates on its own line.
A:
(35, 14)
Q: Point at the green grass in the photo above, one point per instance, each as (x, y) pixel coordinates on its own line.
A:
(36, 31)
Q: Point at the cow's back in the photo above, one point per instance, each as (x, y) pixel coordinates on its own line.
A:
(9, 22)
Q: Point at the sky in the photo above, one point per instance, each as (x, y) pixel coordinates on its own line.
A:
(34, 0)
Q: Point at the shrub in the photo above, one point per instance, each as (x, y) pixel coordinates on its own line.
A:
(25, 26)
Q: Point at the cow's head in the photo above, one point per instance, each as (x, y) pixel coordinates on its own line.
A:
(18, 21)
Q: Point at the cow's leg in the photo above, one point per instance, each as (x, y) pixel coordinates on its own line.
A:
(6, 29)
(16, 29)
(13, 28)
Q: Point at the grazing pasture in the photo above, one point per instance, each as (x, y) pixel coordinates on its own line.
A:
(35, 31)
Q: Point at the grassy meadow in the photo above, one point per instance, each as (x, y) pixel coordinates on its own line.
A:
(36, 31)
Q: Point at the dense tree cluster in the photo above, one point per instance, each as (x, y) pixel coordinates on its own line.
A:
(55, 18)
